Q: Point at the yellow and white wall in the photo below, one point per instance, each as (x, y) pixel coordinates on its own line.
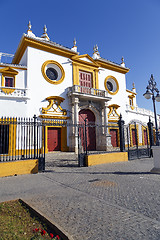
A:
(29, 59)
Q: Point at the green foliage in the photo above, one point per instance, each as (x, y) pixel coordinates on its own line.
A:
(17, 223)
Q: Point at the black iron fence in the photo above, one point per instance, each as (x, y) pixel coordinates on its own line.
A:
(134, 138)
(27, 138)
(93, 138)
(21, 139)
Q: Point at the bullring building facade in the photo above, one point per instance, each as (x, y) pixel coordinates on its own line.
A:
(54, 82)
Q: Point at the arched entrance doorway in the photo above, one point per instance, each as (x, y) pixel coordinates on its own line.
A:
(90, 130)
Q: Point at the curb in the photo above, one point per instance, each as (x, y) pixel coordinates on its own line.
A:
(58, 229)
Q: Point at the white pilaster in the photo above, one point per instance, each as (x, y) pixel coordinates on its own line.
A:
(107, 135)
(76, 120)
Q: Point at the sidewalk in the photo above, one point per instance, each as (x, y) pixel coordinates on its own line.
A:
(119, 201)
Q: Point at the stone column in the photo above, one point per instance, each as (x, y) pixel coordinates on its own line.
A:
(71, 127)
(76, 120)
(107, 136)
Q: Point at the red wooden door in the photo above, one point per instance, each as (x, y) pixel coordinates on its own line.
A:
(85, 81)
(145, 136)
(133, 137)
(54, 139)
(90, 130)
(114, 137)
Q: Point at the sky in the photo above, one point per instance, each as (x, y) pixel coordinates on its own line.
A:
(128, 28)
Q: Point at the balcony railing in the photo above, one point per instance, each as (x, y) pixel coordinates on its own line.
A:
(6, 57)
(138, 110)
(8, 92)
(88, 91)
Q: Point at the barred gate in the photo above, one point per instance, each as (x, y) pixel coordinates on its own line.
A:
(135, 151)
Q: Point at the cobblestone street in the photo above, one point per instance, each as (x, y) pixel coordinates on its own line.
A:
(104, 202)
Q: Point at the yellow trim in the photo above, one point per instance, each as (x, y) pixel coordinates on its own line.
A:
(18, 167)
(131, 98)
(8, 72)
(7, 75)
(8, 90)
(90, 67)
(154, 135)
(113, 107)
(132, 126)
(112, 67)
(64, 147)
(105, 85)
(96, 79)
(44, 46)
(131, 92)
(145, 128)
(44, 72)
(113, 120)
(15, 67)
(57, 112)
(78, 59)
(115, 128)
(53, 117)
(96, 159)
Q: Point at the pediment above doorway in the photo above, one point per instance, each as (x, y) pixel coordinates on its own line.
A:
(85, 59)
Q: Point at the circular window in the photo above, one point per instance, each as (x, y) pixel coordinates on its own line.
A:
(53, 72)
(111, 85)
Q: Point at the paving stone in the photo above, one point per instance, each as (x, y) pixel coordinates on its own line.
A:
(106, 202)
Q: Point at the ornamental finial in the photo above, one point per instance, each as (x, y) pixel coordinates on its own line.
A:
(95, 48)
(45, 29)
(133, 87)
(96, 54)
(122, 63)
(74, 42)
(122, 59)
(74, 48)
(29, 26)
(29, 31)
(45, 35)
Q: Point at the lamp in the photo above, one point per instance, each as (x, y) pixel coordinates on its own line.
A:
(157, 97)
(151, 89)
(147, 94)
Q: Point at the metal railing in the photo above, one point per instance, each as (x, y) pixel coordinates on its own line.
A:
(20, 138)
(88, 91)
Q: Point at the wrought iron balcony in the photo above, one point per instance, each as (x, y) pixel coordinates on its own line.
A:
(14, 93)
(87, 92)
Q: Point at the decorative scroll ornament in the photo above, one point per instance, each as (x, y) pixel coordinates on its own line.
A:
(54, 109)
(113, 115)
